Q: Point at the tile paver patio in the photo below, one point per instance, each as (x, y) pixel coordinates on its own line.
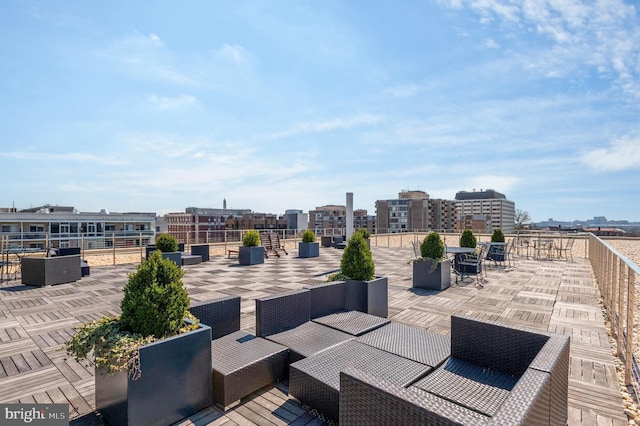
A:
(555, 296)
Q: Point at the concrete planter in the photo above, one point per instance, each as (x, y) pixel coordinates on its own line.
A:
(201, 250)
(251, 255)
(309, 249)
(439, 279)
(370, 297)
(174, 256)
(175, 383)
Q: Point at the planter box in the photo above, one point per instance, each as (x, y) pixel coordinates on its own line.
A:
(370, 297)
(42, 271)
(175, 383)
(174, 256)
(251, 255)
(326, 241)
(309, 249)
(201, 250)
(439, 279)
(148, 250)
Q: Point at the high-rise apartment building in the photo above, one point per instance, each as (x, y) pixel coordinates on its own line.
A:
(493, 206)
(334, 217)
(414, 211)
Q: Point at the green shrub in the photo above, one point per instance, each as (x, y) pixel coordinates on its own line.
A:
(308, 236)
(357, 263)
(468, 239)
(155, 300)
(364, 232)
(166, 243)
(154, 306)
(432, 247)
(497, 236)
(251, 239)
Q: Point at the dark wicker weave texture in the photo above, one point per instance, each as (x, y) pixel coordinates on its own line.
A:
(366, 400)
(327, 298)
(495, 346)
(242, 363)
(315, 381)
(42, 271)
(469, 385)
(309, 339)
(410, 342)
(554, 359)
(222, 315)
(281, 312)
(352, 322)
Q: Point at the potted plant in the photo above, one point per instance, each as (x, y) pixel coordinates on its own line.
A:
(496, 248)
(153, 362)
(467, 239)
(358, 270)
(432, 270)
(365, 234)
(168, 246)
(251, 252)
(308, 247)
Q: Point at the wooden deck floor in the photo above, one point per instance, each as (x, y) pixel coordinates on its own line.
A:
(555, 296)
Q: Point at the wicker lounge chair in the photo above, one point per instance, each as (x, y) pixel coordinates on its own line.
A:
(313, 319)
(496, 375)
(240, 362)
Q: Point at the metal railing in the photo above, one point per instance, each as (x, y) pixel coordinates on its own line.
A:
(616, 277)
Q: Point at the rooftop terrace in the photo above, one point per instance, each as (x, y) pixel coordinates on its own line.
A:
(555, 296)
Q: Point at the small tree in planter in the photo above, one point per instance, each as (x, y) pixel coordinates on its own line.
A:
(432, 270)
(365, 234)
(368, 292)
(168, 245)
(153, 363)
(251, 252)
(309, 247)
(496, 251)
(467, 239)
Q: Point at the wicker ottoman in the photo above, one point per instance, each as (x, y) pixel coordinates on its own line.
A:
(242, 363)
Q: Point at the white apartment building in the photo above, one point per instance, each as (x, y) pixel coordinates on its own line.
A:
(492, 205)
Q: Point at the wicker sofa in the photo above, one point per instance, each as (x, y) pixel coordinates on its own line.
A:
(43, 271)
(496, 375)
(240, 362)
(313, 319)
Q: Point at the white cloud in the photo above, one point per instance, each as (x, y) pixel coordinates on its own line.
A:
(603, 35)
(491, 44)
(63, 157)
(404, 90)
(362, 120)
(233, 53)
(165, 103)
(145, 56)
(621, 154)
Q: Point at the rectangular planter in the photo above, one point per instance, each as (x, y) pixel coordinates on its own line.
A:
(174, 256)
(370, 297)
(175, 383)
(309, 249)
(251, 255)
(439, 279)
(201, 250)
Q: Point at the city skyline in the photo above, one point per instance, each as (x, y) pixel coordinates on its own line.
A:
(289, 105)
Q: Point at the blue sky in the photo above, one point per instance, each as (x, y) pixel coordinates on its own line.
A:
(156, 106)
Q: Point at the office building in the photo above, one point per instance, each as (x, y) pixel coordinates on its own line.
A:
(492, 205)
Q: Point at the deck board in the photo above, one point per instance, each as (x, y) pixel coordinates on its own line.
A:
(554, 296)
